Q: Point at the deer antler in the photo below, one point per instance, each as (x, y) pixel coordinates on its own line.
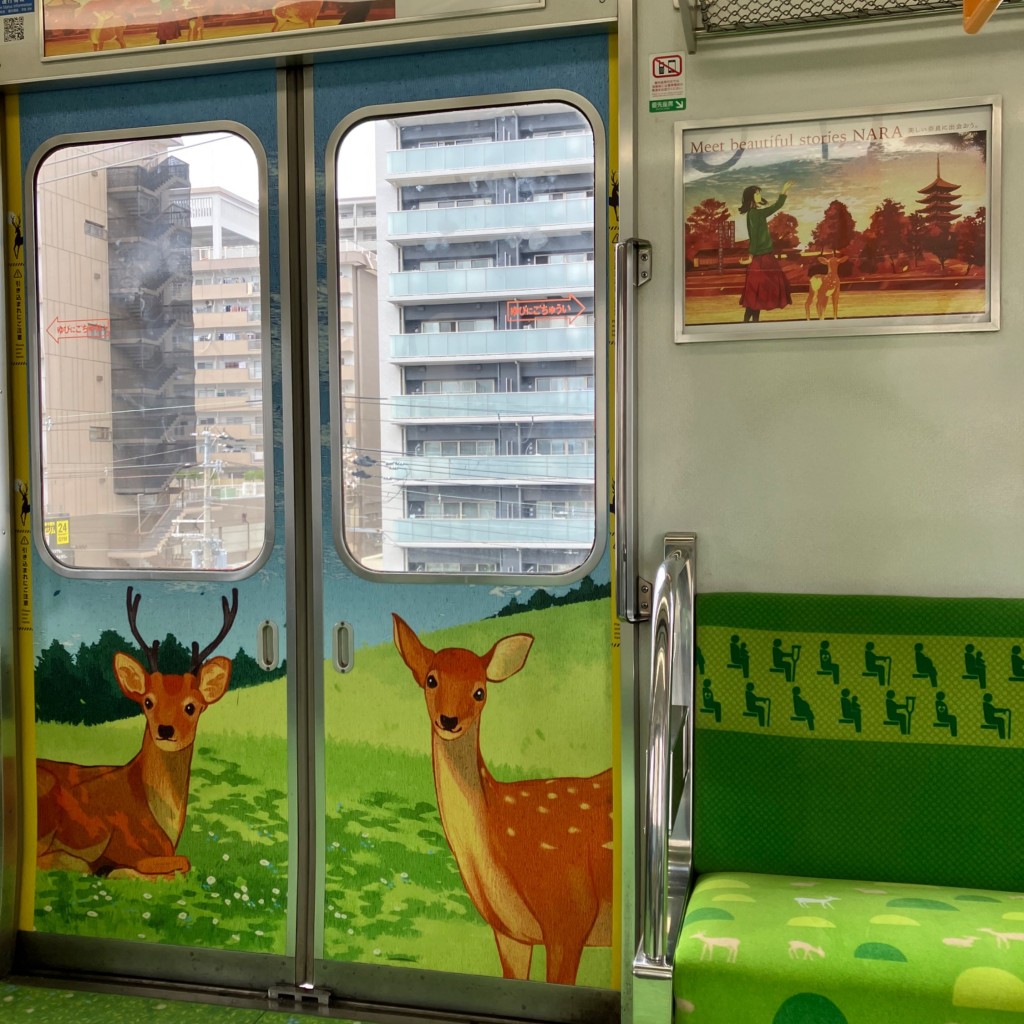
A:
(150, 650)
(198, 657)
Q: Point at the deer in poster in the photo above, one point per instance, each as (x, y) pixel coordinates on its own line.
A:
(822, 287)
(107, 21)
(125, 821)
(535, 856)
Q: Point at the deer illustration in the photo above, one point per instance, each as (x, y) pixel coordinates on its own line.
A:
(1003, 939)
(124, 821)
(797, 946)
(806, 901)
(964, 943)
(822, 287)
(296, 13)
(107, 21)
(535, 856)
(711, 943)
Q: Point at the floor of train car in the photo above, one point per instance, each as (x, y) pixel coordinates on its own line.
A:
(32, 1003)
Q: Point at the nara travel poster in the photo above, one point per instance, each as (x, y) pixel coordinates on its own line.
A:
(839, 224)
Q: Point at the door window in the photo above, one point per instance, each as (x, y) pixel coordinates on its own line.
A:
(449, 412)
(151, 325)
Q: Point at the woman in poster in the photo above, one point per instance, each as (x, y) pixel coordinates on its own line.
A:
(766, 286)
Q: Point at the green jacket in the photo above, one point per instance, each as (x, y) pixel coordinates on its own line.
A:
(757, 226)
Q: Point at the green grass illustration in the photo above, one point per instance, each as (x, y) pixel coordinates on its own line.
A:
(393, 893)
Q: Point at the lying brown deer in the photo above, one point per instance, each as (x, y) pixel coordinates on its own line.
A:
(125, 821)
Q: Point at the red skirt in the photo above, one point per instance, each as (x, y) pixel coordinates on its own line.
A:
(766, 286)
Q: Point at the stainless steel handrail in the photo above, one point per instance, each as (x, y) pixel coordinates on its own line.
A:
(665, 872)
(632, 269)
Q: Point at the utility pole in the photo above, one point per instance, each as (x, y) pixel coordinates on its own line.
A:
(210, 554)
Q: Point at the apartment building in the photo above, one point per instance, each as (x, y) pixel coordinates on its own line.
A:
(484, 379)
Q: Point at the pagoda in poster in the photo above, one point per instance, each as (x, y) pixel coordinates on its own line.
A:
(940, 202)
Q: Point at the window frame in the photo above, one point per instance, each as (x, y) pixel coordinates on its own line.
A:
(35, 330)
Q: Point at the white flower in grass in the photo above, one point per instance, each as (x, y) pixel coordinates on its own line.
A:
(182, 916)
(210, 880)
(226, 856)
(276, 892)
(216, 920)
(147, 895)
(264, 863)
(48, 908)
(91, 913)
(146, 915)
(258, 932)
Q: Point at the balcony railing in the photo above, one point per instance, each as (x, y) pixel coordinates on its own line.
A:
(558, 533)
(558, 154)
(557, 217)
(510, 406)
(570, 342)
(545, 280)
(493, 469)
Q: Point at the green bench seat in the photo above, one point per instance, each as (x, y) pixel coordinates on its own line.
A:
(856, 737)
(776, 949)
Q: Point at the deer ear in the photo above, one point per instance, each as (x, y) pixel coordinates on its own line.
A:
(131, 676)
(213, 679)
(507, 656)
(414, 654)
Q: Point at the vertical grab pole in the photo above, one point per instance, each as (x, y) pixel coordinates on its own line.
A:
(633, 264)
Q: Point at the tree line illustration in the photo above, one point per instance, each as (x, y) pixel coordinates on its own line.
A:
(891, 236)
(80, 689)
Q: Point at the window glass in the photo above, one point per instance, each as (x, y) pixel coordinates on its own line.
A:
(150, 316)
(465, 355)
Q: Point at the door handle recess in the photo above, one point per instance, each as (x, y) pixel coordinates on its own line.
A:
(343, 646)
(267, 647)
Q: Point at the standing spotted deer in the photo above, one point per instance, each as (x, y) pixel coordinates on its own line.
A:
(125, 821)
(824, 287)
(535, 856)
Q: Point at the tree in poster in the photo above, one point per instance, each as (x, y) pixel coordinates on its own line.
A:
(917, 228)
(704, 225)
(970, 240)
(835, 230)
(783, 230)
(940, 241)
(887, 231)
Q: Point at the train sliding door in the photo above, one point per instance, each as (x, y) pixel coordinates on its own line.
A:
(469, 807)
(316, 635)
(156, 691)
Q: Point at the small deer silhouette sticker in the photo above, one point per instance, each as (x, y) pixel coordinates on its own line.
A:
(535, 856)
(125, 821)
